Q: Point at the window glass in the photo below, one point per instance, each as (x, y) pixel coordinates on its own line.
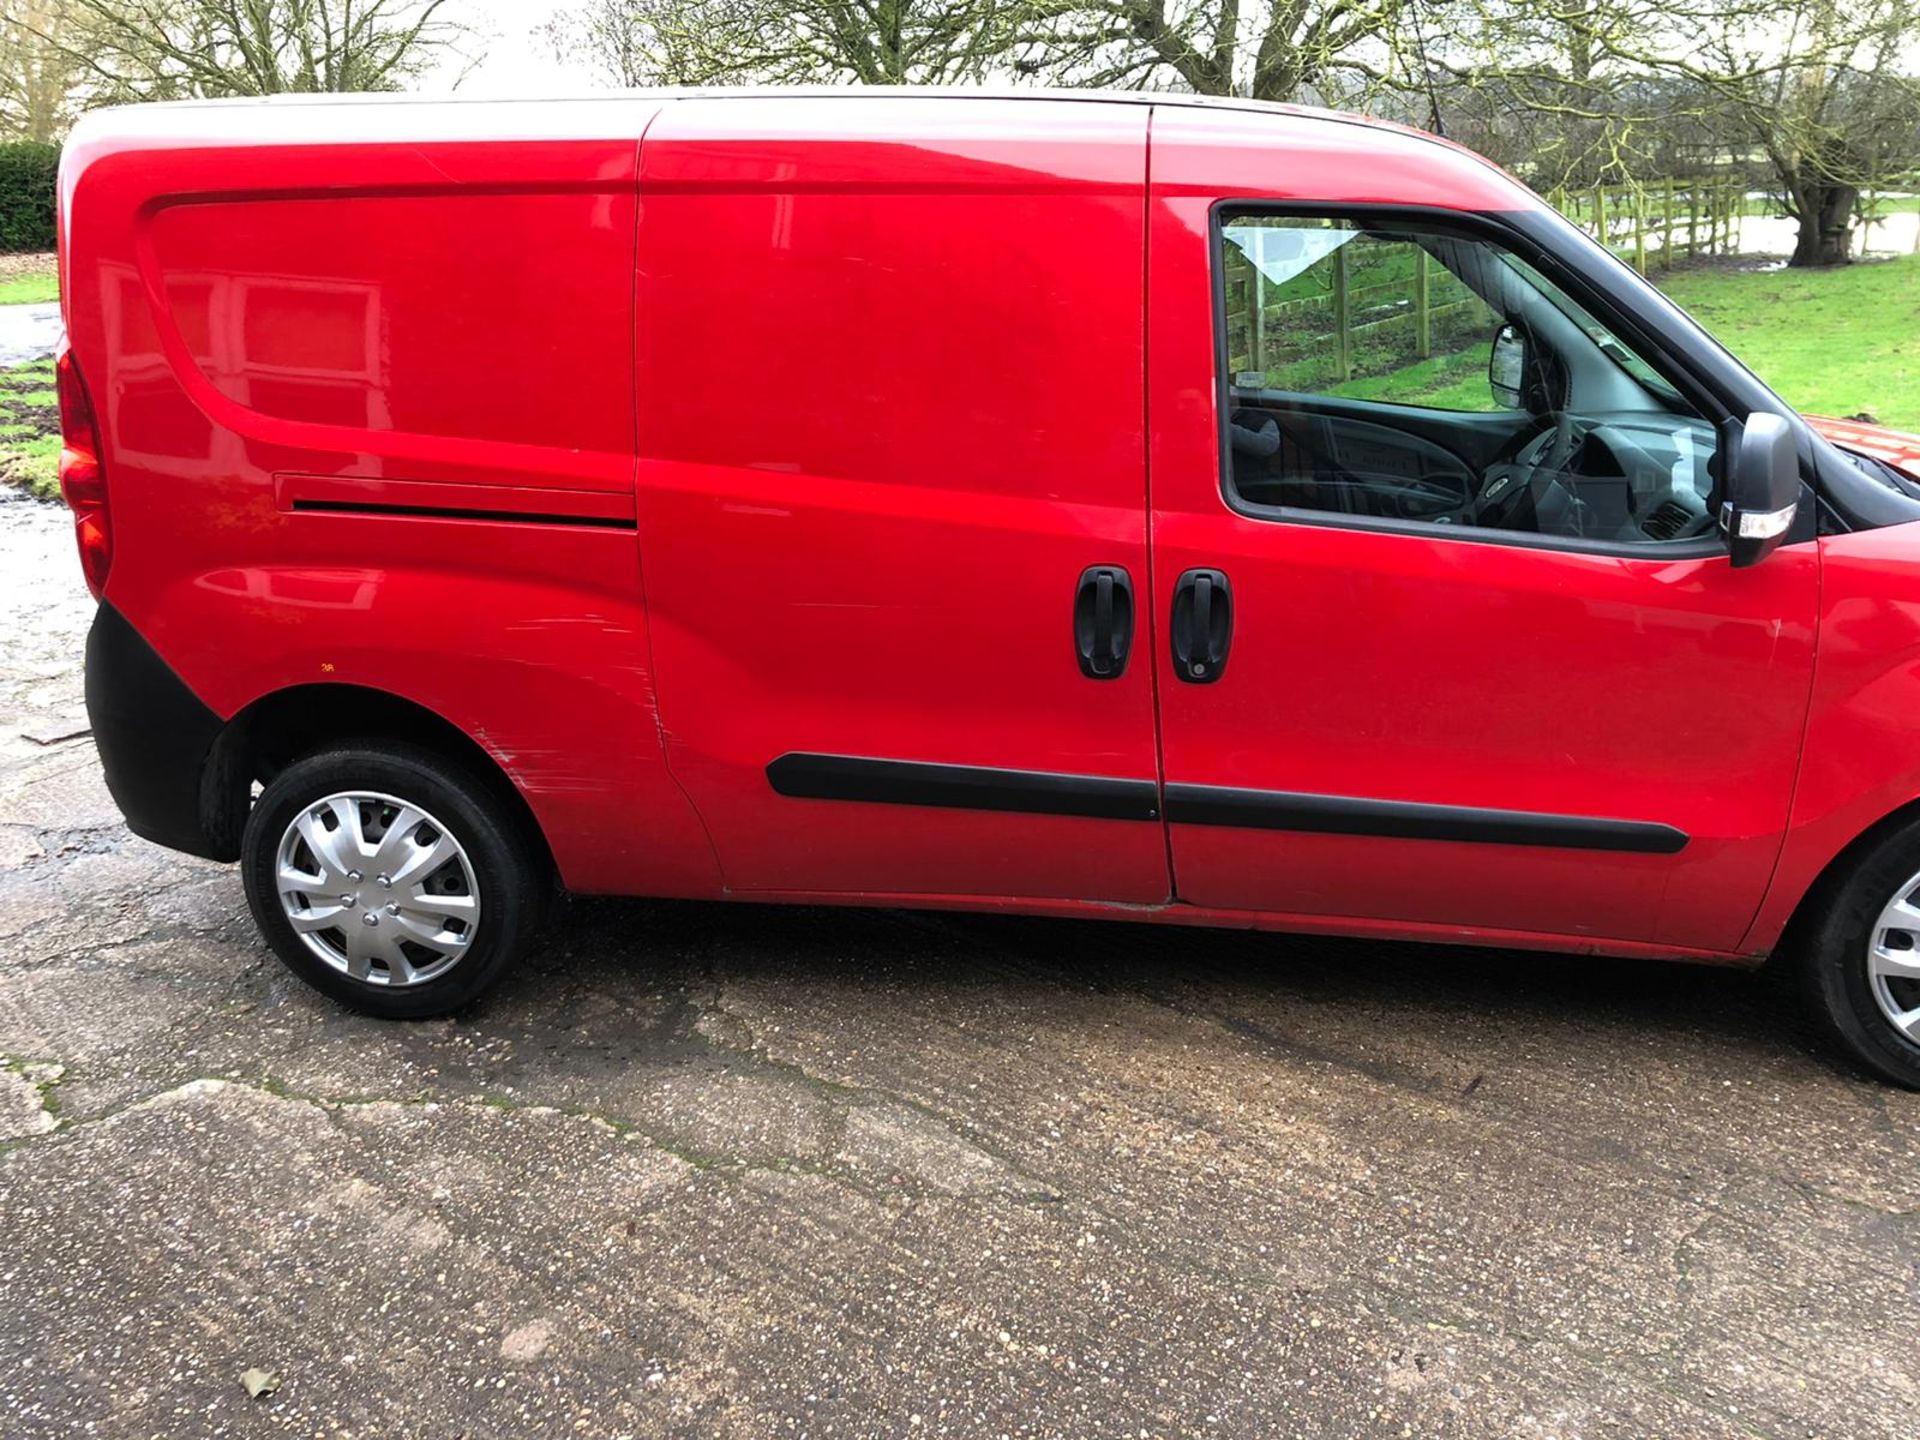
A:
(1393, 372)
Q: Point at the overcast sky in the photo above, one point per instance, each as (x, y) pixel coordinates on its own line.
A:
(514, 59)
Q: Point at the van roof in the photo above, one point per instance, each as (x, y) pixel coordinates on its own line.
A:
(172, 120)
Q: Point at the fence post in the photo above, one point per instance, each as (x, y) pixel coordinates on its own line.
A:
(1259, 337)
(1639, 193)
(1600, 213)
(1693, 219)
(1422, 317)
(1666, 244)
(1340, 343)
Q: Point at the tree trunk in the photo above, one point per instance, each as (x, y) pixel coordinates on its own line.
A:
(1826, 224)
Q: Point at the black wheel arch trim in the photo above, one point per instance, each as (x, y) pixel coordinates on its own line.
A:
(804, 775)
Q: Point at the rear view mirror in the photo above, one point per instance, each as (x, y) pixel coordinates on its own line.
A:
(1763, 488)
(1507, 368)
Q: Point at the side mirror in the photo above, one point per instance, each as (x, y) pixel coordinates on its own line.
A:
(1763, 488)
(1507, 368)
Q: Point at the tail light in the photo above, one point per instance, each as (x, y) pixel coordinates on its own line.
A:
(82, 480)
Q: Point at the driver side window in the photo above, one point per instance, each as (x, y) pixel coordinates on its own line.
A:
(1390, 372)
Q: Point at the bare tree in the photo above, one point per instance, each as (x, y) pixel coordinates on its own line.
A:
(875, 42)
(1335, 51)
(165, 49)
(1807, 93)
(1827, 108)
(37, 74)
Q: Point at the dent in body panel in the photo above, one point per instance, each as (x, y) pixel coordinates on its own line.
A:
(548, 675)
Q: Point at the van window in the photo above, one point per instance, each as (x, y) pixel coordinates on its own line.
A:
(1389, 372)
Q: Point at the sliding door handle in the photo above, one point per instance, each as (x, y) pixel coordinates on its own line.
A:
(1202, 628)
(1103, 621)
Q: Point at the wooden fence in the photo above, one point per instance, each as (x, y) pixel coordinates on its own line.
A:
(1658, 222)
(1347, 314)
(1653, 224)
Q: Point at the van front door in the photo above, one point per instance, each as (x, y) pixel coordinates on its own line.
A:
(890, 381)
(1475, 659)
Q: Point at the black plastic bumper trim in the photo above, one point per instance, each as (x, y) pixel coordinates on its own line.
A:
(962, 787)
(154, 736)
(1345, 815)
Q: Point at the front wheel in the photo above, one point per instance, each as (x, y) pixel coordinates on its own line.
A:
(1860, 958)
(395, 882)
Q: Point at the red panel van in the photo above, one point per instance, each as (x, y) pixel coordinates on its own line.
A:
(1120, 506)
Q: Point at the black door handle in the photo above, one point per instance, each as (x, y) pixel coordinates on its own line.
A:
(1202, 629)
(1103, 621)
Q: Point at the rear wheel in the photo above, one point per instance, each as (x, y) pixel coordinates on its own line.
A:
(397, 883)
(1860, 958)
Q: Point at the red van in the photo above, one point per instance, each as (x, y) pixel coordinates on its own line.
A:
(1119, 506)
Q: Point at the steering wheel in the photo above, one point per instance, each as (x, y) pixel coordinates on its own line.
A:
(1520, 462)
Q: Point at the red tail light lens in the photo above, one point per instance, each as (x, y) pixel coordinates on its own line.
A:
(82, 480)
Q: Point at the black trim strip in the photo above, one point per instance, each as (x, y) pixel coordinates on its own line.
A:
(1345, 815)
(802, 776)
(962, 787)
(448, 512)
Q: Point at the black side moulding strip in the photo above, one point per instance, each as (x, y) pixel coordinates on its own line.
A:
(962, 787)
(1343, 815)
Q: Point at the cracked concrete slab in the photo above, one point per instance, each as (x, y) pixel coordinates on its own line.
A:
(711, 1171)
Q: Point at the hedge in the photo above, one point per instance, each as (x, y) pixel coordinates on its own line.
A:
(27, 174)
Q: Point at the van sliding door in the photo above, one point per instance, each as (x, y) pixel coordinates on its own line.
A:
(890, 378)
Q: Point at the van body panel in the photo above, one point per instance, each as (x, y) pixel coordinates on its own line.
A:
(890, 407)
(319, 346)
(1861, 760)
(725, 468)
(1423, 670)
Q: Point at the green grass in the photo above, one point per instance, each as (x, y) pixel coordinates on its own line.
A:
(1457, 381)
(1842, 341)
(32, 288)
(30, 429)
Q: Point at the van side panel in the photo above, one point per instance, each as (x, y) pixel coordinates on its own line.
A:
(367, 411)
(1861, 759)
(890, 406)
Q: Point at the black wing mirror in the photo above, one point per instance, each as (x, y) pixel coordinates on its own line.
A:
(1763, 488)
(1507, 368)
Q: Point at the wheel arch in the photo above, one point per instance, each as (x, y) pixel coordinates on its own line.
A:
(1832, 875)
(281, 726)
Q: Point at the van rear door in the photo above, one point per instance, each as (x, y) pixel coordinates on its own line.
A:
(890, 388)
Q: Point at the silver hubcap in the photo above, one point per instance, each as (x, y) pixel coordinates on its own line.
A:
(378, 889)
(1893, 961)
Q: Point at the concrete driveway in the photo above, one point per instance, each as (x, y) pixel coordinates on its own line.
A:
(707, 1171)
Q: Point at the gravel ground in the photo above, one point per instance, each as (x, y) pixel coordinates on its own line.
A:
(711, 1171)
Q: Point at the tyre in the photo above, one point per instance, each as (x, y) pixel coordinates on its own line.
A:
(394, 881)
(1859, 957)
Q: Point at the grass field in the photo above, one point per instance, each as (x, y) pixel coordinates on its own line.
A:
(1835, 342)
(28, 279)
(29, 289)
(30, 429)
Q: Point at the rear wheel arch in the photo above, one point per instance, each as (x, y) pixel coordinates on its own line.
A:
(281, 727)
